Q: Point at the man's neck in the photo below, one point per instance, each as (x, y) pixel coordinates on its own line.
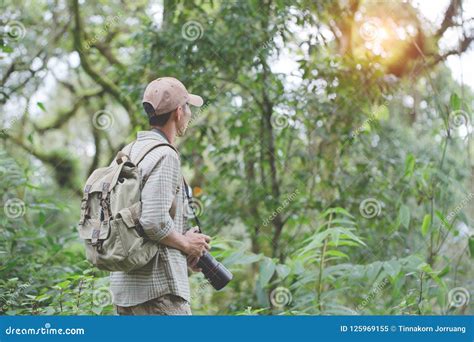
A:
(169, 132)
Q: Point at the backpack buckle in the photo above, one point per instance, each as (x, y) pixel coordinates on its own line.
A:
(95, 236)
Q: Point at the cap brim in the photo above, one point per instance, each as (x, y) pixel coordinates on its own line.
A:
(195, 100)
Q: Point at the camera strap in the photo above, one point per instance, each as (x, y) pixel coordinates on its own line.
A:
(196, 219)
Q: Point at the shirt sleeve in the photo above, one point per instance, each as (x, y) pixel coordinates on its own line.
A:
(157, 198)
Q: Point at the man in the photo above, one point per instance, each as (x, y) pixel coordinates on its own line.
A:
(161, 287)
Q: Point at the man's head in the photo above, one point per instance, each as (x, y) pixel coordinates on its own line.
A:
(166, 101)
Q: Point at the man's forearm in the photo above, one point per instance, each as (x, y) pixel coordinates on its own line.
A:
(192, 243)
(175, 240)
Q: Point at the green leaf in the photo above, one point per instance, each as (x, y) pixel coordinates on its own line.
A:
(233, 258)
(373, 270)
(41, 106)
(267, 268)
(97, 310)
(248, 259)
(63, 285)
(471, 246)
(347, 234)
(392, 267)
(336, 210)
(7, 49)
(444, 271)
(409, 165)
(428, 270)
(381, 113)
(282, 271)
(336, 253)
(455, 102)
(404, 215)
(442, 219)
(314, 241)
(42, 297)
(426, 224)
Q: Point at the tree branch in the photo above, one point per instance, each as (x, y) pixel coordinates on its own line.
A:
(65, 116)
(102, 80)
(449, 14)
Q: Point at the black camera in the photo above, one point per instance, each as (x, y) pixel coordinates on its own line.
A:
(214, 271)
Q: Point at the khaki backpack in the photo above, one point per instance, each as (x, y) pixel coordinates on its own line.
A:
(110, 213)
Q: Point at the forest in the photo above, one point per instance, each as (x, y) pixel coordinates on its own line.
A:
(332, 161)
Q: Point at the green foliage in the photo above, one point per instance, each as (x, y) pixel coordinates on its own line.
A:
(341, 186)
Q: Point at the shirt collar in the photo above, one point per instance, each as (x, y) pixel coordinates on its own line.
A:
(160, 132)
(152, 134)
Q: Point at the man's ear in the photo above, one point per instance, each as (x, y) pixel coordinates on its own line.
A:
(178, 113)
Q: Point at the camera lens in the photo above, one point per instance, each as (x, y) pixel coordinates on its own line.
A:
(214, 271)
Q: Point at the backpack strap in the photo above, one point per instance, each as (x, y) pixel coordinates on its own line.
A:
(124, 154)
(148, 148)
(128, 148)
(84, 204)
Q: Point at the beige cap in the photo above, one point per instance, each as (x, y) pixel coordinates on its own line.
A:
(166, 94)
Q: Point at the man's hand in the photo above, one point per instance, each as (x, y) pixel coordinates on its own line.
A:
(192, 263)
(196, 243)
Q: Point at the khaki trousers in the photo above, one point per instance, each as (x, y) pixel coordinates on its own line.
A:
(167, 305)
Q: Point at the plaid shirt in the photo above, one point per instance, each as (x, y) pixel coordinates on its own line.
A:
(163, 210)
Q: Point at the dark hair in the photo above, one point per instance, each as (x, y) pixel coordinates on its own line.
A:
(155, 120)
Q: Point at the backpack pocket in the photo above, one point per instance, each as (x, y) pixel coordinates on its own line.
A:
(116, 245)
